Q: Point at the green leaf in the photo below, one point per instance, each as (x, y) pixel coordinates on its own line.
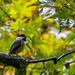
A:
(37, 41)
(17, 25)
(29, 30)
(70, 38)
(73, 30)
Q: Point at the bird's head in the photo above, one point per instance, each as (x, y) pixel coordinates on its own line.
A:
(21, 37)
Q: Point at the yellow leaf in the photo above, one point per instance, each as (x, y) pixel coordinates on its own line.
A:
(58, 44)
(13, 13)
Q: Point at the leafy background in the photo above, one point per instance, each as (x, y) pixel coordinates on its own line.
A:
(50, 27)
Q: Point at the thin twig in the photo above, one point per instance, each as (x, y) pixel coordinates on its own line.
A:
(36, 68)
(69, 8)
(40, 5)
(29, 48)
(70, 62)
(70, 4)
(46, 71)
(5, 12)
(31, 56)
(63, 55)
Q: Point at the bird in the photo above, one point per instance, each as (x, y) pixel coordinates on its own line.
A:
(18, 45)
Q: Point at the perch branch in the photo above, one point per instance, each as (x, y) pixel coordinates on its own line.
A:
(9, 60)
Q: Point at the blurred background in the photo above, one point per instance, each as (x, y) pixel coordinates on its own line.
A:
(50, 27)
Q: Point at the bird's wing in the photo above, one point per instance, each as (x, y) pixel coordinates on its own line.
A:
(15, 45)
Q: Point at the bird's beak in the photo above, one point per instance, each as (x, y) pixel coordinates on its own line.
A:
(25, 36)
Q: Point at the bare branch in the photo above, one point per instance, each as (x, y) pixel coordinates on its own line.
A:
(5, 12)
(70, 62)
(42, 60)
(19, 62)
(69, 8)
(15, 59)
(31, 51)
(29, 48)
(63, 55)
(70, 4)
(46, 71)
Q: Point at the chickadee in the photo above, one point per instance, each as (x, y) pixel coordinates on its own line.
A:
(18, 45)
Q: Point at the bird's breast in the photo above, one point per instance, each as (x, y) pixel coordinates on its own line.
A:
(21, 48)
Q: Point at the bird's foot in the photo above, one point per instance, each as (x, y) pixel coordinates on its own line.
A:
(20, 56)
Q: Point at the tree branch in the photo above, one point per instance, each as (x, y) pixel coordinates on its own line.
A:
(42, 60)
(9, 60)
(63, 55)
(46, 71)
(15, 61)
(69, 8)
(29, 48)
(5, 12)
(21, 63)
(70, 4)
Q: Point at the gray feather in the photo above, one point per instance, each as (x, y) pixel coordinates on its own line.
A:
(15, 45)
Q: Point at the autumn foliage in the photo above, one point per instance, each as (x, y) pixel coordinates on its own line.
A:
(50, 27)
